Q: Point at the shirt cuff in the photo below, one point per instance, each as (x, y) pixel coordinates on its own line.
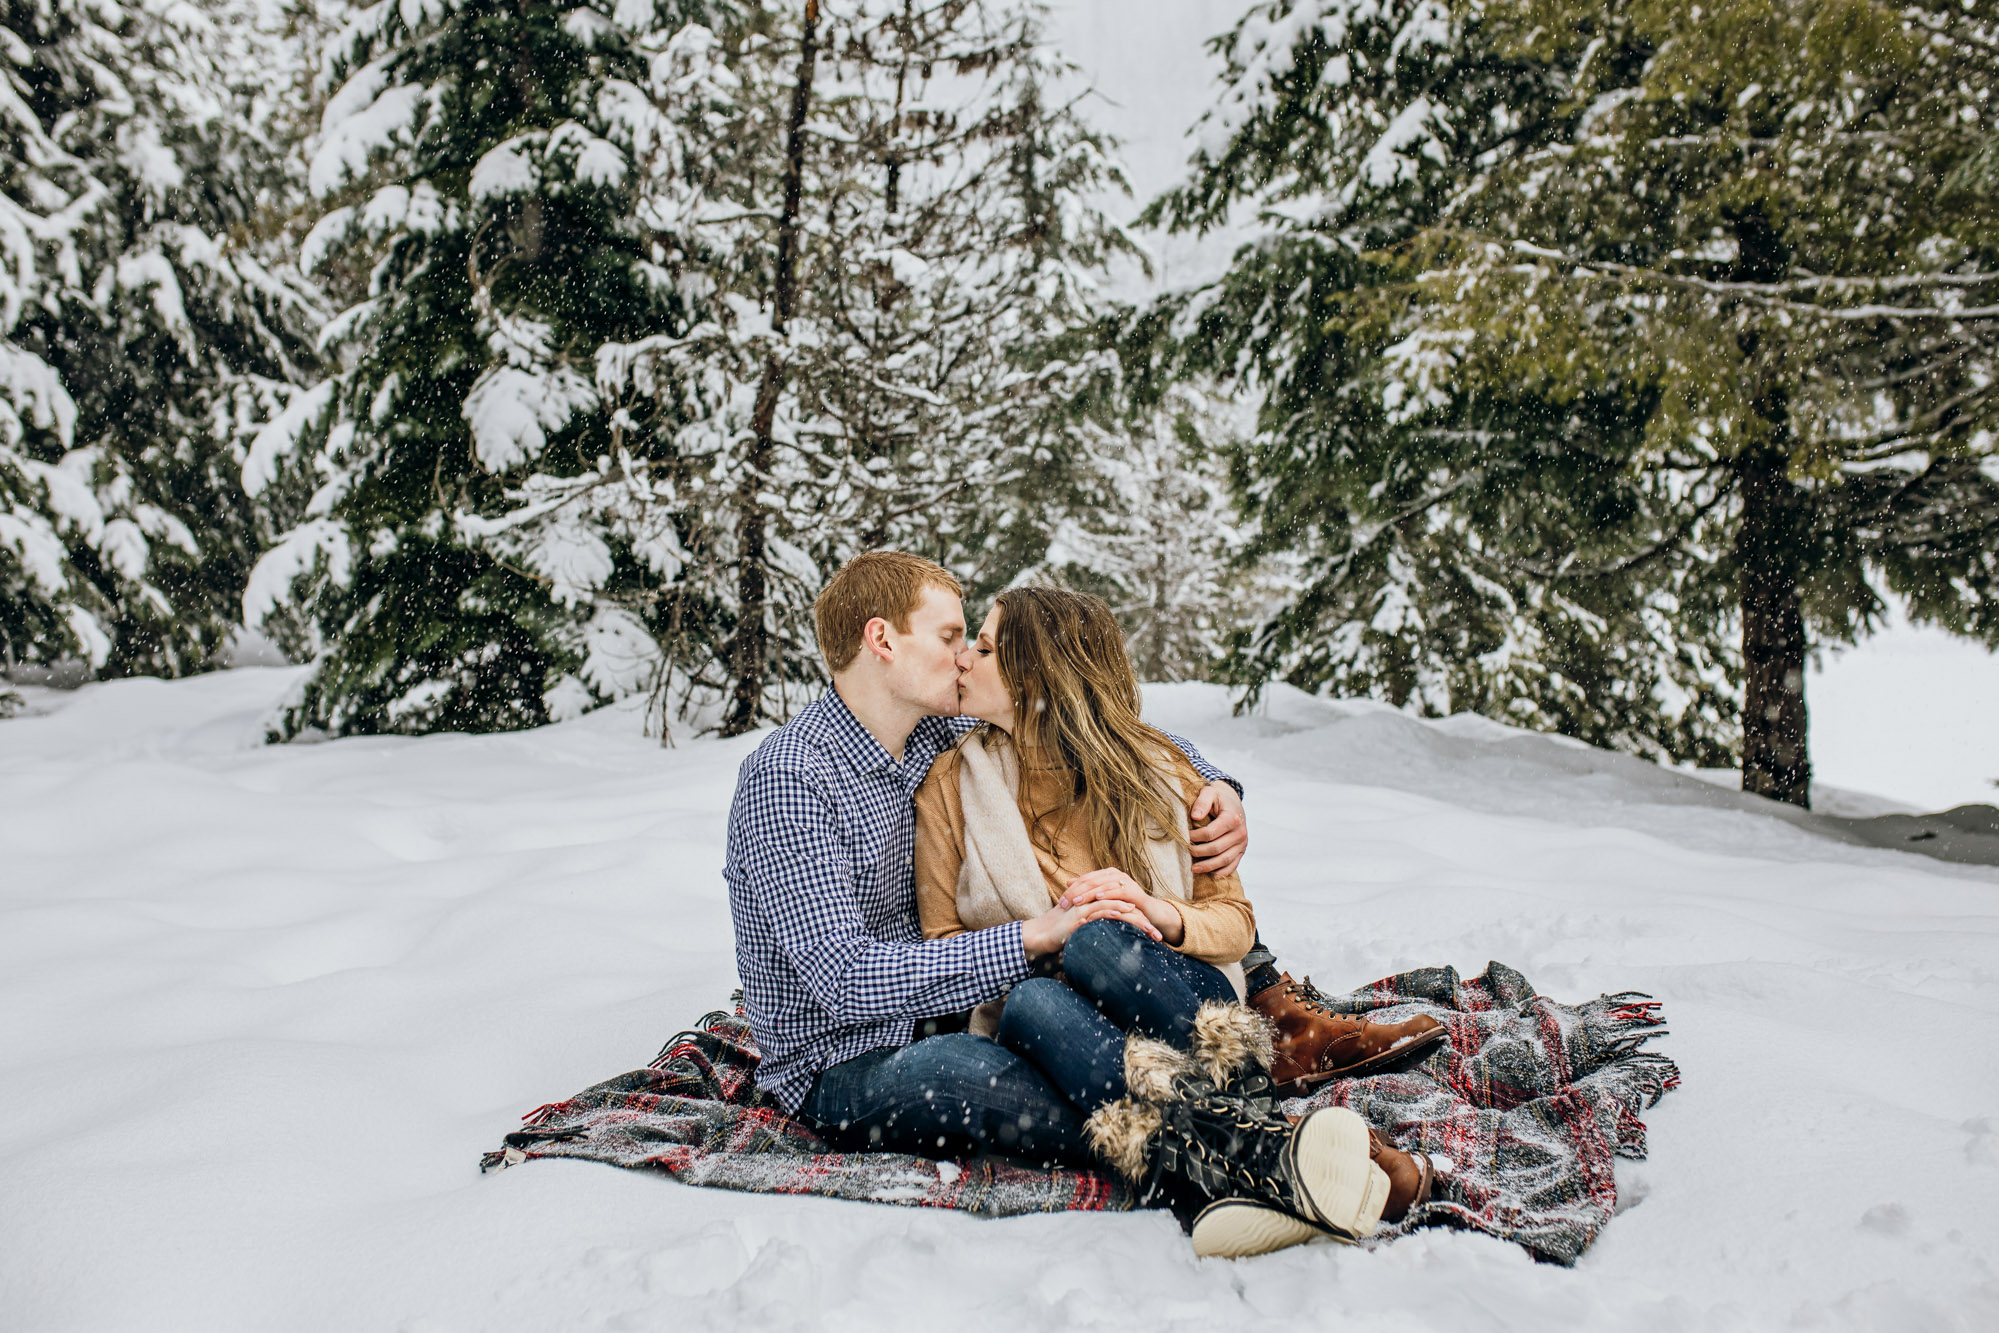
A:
(999, 956)
(1207, 770)
(1213, 774)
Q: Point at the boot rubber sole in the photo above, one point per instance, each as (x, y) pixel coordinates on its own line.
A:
(1238, 1228)
(1394, 1055)
(1334, 1178)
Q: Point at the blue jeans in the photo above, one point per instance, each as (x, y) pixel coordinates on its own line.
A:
(942, 1096)
(1060, 1056)
(1115, 980)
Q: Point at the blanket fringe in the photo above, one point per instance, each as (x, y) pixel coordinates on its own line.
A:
(1618, 1025)
(1638, 1080)
(715, 1021)
(521, 1138)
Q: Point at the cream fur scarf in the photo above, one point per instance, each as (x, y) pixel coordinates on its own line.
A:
(1000, 879)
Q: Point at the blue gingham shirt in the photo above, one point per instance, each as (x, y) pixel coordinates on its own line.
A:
(822, 886)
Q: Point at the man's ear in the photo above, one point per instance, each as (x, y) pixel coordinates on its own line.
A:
(874, 639)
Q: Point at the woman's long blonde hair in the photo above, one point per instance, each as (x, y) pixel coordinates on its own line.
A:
(1075, 698)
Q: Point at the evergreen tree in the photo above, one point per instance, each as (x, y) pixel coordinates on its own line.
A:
(886, 225)
(484, 159)
(1594, 337)
(1153, 532)
(142, 329)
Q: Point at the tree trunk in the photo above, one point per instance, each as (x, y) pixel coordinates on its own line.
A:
(1775, 759)
(1770, 552)
(749, 647)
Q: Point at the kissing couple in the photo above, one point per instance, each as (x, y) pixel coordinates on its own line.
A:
(981, 906)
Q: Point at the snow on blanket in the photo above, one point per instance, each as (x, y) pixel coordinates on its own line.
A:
(1528, 1104)
(1524, 1109)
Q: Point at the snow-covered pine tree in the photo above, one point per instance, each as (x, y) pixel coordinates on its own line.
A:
(483, 162)
(142, 329)
(887, 221)
(1153, 531)
(1595, 335)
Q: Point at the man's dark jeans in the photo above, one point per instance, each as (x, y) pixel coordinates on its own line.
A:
(944, 1095)
(1060, 1056)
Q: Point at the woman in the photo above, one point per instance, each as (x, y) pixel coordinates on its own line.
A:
(1066, 798)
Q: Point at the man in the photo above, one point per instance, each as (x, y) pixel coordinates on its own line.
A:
(836, 974)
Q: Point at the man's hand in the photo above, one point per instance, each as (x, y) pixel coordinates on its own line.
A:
(1218, 832)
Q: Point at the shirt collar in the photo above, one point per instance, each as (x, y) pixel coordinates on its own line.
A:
(846, 737)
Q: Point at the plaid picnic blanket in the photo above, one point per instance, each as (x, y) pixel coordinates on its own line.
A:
(1530, 1102)
(695, 1113)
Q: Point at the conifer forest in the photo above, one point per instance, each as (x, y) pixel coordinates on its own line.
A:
(1586, 366)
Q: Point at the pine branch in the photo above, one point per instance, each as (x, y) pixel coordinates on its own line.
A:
(1943, 362)
(1771, 294)
(1928, 426)
(1670, 542)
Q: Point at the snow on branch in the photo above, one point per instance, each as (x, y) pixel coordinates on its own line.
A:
(511, 411)
(30, 385)
(279, 439)
(364, 118)
(318, 543)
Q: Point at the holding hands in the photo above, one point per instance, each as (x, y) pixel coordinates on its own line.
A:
(1101, 895)
(1219, 835)
(1116, 895)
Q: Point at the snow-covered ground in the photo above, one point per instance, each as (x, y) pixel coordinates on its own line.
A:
(1912, 713)
(266, 1006)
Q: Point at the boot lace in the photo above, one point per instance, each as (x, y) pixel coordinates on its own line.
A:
(1315, 999)
(1222, 1144)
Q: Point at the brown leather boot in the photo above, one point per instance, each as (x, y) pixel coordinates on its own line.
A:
(1315, 1044)
(1410, 1176)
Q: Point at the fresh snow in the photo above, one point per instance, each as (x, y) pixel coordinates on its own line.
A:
(510, 410)
(360, 121)
(278, 440)
(297, 553)
(269, 1004)
(504, 170)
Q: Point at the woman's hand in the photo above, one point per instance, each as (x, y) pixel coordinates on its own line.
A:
(1047, 933)
(1112, 893)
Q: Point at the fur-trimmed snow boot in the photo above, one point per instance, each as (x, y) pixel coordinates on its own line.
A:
(1252, 1181)
(1232, 1047)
